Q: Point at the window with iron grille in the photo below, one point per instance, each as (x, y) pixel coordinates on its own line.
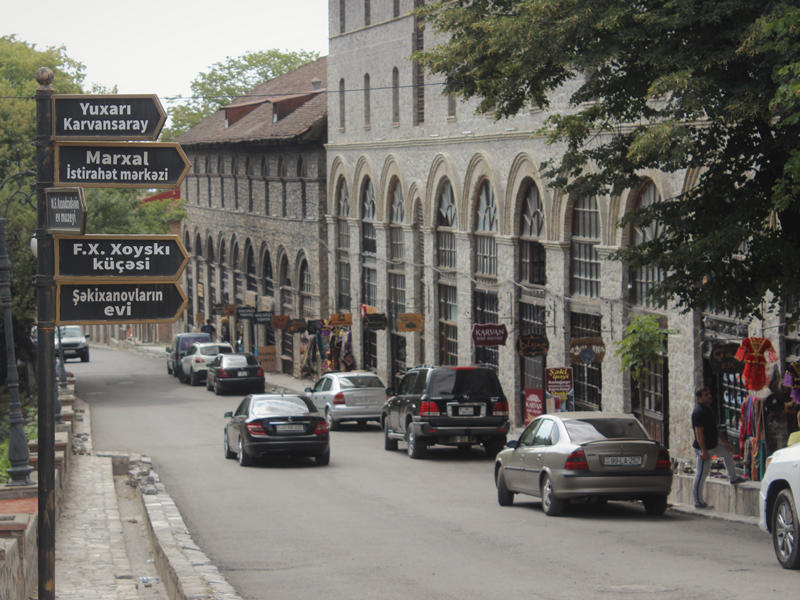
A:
(343, 286)
(587, 377)
(448, 332)
(445, 223)
(370, 349)
(266, 276)
(652, 389)
(531, 322)
(644, 278)
(531, 255)
(369, 291)
(585, 263)
(418, 72)
(397, 293)
(397, 243)
(342, 212)
(306, 299)
(369, 240)
(485, 310)
(252, 284)
(486, 228)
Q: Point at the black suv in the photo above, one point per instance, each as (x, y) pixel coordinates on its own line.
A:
(455, 406)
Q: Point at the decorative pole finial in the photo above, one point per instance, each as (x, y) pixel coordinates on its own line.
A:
(44, 75)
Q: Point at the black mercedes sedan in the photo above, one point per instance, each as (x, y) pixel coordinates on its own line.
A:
(239, 371)
(276, 424)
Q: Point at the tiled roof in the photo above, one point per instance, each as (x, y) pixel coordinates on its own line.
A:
(257, 124)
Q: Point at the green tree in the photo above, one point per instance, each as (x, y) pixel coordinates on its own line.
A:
(708, 86)
(122, 211)
(642, 347)
(230, 79)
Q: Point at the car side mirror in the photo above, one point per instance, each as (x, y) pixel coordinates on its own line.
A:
(229, 414)
(512, 444)
(88, 335)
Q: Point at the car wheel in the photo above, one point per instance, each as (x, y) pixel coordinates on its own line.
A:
(194, 378)
(388, 443)
(416, 447)
(323, 459)
(228, 452)
(492, 447)
(260, 388)
(217, 388)
(505, 497)
(208, 383)
(786, 531)
(551, 505)
(244, 457)
(85, 356)
(169, 369)
(332, 424)
(655, 505)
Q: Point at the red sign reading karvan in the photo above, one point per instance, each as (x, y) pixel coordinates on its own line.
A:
(489, 334)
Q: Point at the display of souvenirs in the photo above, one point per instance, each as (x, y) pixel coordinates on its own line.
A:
(751, 352)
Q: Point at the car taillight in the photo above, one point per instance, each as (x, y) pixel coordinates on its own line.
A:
(197, 360)
(260, 372)
(576, 461)
(338, 398)
(256, 429)
(500, 408)
(322, 427)
(428, 409)
(222, 373)
(663, 461)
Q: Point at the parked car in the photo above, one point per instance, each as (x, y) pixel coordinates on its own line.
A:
(194, 365)
(456, 406)
(74, 342)
(348, 396)
(180, 346)
(239, 371)
(584, 455)
(779, 505)
(276, 424)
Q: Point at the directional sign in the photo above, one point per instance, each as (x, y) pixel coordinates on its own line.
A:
(66, 210)
(118, 302)
(152, 257)
(117, 164)
(110, 117)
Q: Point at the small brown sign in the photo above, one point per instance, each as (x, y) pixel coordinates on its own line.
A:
(280, 321)
(296, 326)
(533, 345)
(489, 334)
(409, 322)
(722, 359)
(375, 321)
(587, 350)
(341, 319)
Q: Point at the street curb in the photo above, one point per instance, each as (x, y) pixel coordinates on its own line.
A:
(186, 571)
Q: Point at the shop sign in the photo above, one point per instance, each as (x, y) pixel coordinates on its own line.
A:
(722, 358)
(559, 390)
(262, 317)
(586, 350)
(409, 322)
(533, 345)
(296, 326)
(341, 319)
(245, 312)
(375, 321)
(280, 321)
(489, 334)
(534, 404)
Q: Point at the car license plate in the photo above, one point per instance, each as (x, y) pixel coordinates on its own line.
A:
(241, 373)
(622, 461)
(466, 411)
(290, 427)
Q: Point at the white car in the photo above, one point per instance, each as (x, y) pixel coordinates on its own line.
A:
(348, 396)
(194, 365)
(779, 505)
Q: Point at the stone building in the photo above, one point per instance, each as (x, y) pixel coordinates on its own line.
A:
(435, 209)
(255, 199)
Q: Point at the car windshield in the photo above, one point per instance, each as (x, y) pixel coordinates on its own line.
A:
(238, 360)
(277, 407)
(360, 381)
(187, 341)
(591, 430)
(214, 350)
(461, 382)
(70, 331)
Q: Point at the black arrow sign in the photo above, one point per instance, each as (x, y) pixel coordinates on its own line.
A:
(118, 302)
(117, 164)
(146, 256)
(134, 117)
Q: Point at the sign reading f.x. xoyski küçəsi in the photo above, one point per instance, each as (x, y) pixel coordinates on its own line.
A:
(129, 117)
(119, 164)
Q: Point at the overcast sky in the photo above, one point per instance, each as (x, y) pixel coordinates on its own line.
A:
(159, 46)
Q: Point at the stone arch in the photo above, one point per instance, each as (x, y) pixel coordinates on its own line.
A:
(441, 168)
(338, 171)
(479, 169)
(627, 201)
(363, 170)
(522, 171)
(389, 172)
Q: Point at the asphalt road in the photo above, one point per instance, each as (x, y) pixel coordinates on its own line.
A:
(376, 524)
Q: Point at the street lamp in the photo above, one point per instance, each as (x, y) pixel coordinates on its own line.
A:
(18, 453)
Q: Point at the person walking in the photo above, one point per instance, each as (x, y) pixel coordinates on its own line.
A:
(209, 329)
(708, 443)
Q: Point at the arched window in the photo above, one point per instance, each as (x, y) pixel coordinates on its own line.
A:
(485, 230)
(306, 298)
(445, 227)
(342, 16)
(266, 275)
(301, 174)
(238, 296)
(265, 175)
(397, 243)
(250, 261)
(367, 13)
(342, 246)
(341, 105)
(644, 278)
(223, 274)
(396, 8)
(584, 261)
(282, 175)
(368, 235)
(395, 96)
(212, 278)
(531, 228)
(366, 101)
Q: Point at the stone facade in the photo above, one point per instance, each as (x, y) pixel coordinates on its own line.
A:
(396, 144)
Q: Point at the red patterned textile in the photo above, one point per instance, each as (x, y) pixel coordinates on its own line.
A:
(751, 351)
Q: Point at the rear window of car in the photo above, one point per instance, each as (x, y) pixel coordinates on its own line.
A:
(187, 341)
(360, 381)
(591, 430)
(70, 331)
(214, 350)
(460, 382)
(287, 405)
(238, 360)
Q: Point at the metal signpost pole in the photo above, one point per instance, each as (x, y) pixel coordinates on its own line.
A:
(46, 340)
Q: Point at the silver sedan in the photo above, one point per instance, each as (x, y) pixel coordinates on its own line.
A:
(584, 455)
(348, 396)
